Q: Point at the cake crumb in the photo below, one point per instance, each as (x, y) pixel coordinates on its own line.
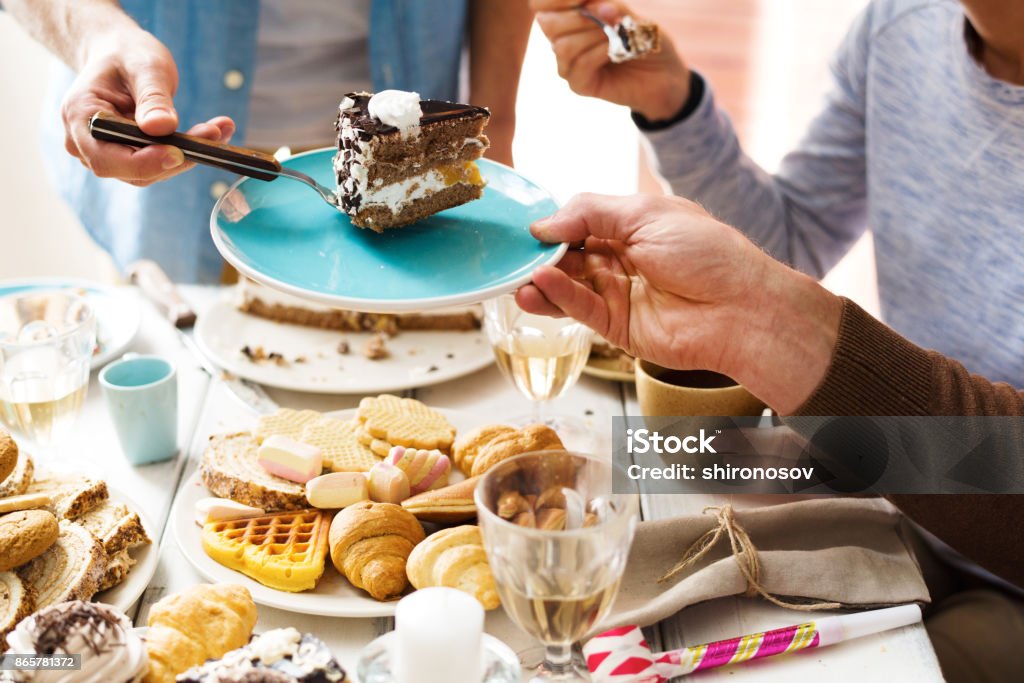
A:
(343, 347)
(376, 347)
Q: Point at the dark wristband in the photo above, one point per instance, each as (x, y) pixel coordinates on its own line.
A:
(693, 101)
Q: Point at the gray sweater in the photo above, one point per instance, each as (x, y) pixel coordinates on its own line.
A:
(917, 143)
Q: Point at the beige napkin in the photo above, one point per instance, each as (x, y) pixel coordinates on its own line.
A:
(845, 550)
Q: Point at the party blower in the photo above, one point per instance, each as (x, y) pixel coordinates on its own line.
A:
(621, 655)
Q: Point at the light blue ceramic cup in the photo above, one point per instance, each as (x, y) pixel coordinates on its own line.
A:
(142, 398)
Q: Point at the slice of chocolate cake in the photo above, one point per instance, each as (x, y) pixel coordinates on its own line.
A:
(636, 39)
(401, 159)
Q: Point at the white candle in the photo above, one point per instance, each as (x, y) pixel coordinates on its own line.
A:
(438, 634)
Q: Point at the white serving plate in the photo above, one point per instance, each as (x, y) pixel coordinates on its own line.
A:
(417, 359)
(333, 596)
(146, 557)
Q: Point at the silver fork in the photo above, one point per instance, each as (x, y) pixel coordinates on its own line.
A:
(618, 44)
(247, 162)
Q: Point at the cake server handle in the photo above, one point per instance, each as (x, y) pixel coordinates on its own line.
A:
(248, 162)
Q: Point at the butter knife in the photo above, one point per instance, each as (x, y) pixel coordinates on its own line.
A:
(151, 279)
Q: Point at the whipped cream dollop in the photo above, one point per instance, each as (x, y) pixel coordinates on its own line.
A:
(396, 108)
(111, 652)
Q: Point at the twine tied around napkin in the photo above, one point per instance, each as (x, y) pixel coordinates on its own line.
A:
(745, 554)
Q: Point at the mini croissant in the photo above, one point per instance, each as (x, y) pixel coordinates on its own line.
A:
(370, 544)
(200, 623)
(455, 558)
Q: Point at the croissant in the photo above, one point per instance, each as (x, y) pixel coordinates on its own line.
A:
(370, 544)
(468, 446)
(455, 558)
(203, 622)
(505, 445)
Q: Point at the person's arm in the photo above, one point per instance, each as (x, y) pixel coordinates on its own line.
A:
(665, 281)
(875, 371)
(121, 69)
(498, 35)
(808, 214)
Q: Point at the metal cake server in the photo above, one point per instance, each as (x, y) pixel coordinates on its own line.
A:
(248, 162)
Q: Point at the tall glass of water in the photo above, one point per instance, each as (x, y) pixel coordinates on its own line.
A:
(46, 345)
(557, 539)
(541, 356)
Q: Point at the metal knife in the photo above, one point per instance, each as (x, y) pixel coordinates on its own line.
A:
(150, 278)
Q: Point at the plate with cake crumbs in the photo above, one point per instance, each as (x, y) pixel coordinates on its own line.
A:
(117, 311)
(282, 341)
(285, 236)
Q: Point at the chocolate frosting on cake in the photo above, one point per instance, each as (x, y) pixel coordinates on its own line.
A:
(433, 111)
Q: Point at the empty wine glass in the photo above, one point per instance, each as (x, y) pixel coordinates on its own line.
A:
(557, 539)
(542, 356)
(47, 340)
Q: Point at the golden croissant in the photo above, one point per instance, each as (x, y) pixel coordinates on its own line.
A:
(203, 622)
(370, 544)
(455, 558)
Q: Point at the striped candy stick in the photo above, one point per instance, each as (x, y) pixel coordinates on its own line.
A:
(622, 655)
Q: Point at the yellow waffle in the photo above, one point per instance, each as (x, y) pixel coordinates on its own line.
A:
(284, 550)
(285, 422)
(339, 444)
(405, 422)
(379, 447)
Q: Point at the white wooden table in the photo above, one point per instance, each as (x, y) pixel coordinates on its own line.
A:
(206, 408)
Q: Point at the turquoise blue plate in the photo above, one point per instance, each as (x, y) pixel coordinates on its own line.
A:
(285, 236)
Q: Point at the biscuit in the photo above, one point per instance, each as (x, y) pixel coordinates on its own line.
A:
(285, 422)
(18, 481)
(405, 422)
(8, 454)
(468, 445)
(531, 438)
(379, 447)
(24, 536)
(25, 501)
(339, 445)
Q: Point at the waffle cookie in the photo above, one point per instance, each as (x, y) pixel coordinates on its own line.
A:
(285, 422)
(286, 550)
(405, 422)
(378, 447)
(341, 448)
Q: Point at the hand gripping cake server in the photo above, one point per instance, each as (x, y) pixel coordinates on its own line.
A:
(401, 159)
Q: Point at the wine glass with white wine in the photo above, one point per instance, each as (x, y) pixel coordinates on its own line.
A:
(47, 340)
(557, 539)
(542, 356)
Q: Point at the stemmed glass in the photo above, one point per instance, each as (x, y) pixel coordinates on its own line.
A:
(47, 340)
(542, 356)
(557, 539)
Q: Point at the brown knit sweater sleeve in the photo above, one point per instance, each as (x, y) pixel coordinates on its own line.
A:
(875, 371)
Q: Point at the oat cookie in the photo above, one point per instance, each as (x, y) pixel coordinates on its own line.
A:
(340, 445)
(405, 422)
(24, 536)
